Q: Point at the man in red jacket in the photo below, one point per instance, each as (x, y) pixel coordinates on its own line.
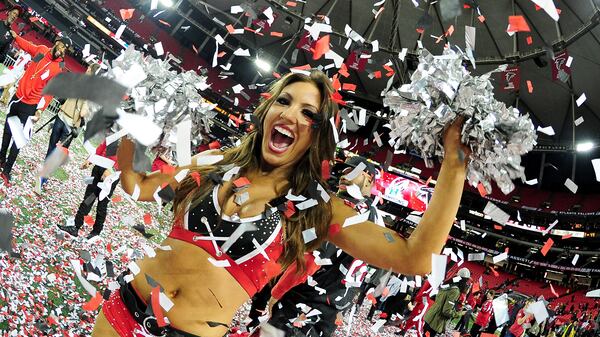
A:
(28, 102)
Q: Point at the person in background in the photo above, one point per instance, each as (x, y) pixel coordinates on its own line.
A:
(444, 308)
(28, 102)
(68, 122)
(484, 316)
(102, 187)
(6, 38)
(470, 305)
(163, 157)
(517, 329)
(339, 287)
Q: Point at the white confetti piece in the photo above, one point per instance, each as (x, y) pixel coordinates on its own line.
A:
(531, 182)
(575, 259)
(596, 165)
(208, 159)
(497, 214)
(476, 257)
(571, 185)
(242, 52)
(546, 130)
(578, 121)
(165, 302)
(353, 220)
(500, 257)
(219, 263)
(309, 235)
(581, 100)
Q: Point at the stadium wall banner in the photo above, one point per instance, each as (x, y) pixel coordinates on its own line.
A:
(524, 260)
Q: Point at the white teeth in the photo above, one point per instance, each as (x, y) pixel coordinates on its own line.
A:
(284, 131)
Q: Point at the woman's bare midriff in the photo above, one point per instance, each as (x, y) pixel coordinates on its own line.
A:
(200, 291)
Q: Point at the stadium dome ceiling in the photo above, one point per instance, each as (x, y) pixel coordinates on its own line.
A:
(550, 102)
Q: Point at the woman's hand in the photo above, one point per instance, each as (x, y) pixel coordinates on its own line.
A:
(455, 152)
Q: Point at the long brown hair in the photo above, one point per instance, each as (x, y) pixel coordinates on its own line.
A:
(308, 169)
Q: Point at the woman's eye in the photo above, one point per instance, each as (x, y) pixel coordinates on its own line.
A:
(283, 100)
(309, 114)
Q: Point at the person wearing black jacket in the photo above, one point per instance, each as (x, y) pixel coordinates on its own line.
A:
(6, 38)
(327, 292)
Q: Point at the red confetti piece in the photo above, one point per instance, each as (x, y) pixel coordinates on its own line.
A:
(481, 190)
(547, 246)
(147, 218)
(276, 75)
(383, 315)
(337, 97)
(230, 28)
(420, 30)
(214, 145)
(160, 318)
(344, 70)
(196, 177)
(88, 219)
(93, 303)
(321, 47)
(337, 85)
(529, 86)
(241, 182)
(529, 40)
(481, 18)
(377, 74)
(221, 54)
(334, 229)
(195, 49)
(291, 4)
(325, 170)
(495, 272)
(537, 8)
(385, 292)
(498, 227)
(304, 67)
(277, 34)
(291, 209)
(564, 237)
(349, 87)
(265, 95)
(117, 198)
(109, 248)
(168, 169)
(164, 23)
(517, 23)
(126, 14)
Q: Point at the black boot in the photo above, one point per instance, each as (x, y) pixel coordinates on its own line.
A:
(71, 230)
(92, 234)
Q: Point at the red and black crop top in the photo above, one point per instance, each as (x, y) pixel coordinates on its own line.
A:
(247, 247)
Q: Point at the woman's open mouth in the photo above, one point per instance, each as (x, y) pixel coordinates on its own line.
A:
(281, 139)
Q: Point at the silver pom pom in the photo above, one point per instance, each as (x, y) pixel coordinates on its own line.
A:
(441, 90)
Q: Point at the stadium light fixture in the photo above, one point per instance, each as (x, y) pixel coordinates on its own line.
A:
(167, 3)
(584, 147)
(262, 64)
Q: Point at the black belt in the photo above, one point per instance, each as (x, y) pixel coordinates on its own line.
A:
(149, 323)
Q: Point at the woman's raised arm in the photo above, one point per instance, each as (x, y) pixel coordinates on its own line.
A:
(386, 249)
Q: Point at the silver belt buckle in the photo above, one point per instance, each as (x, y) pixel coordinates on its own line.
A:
(146, 323)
